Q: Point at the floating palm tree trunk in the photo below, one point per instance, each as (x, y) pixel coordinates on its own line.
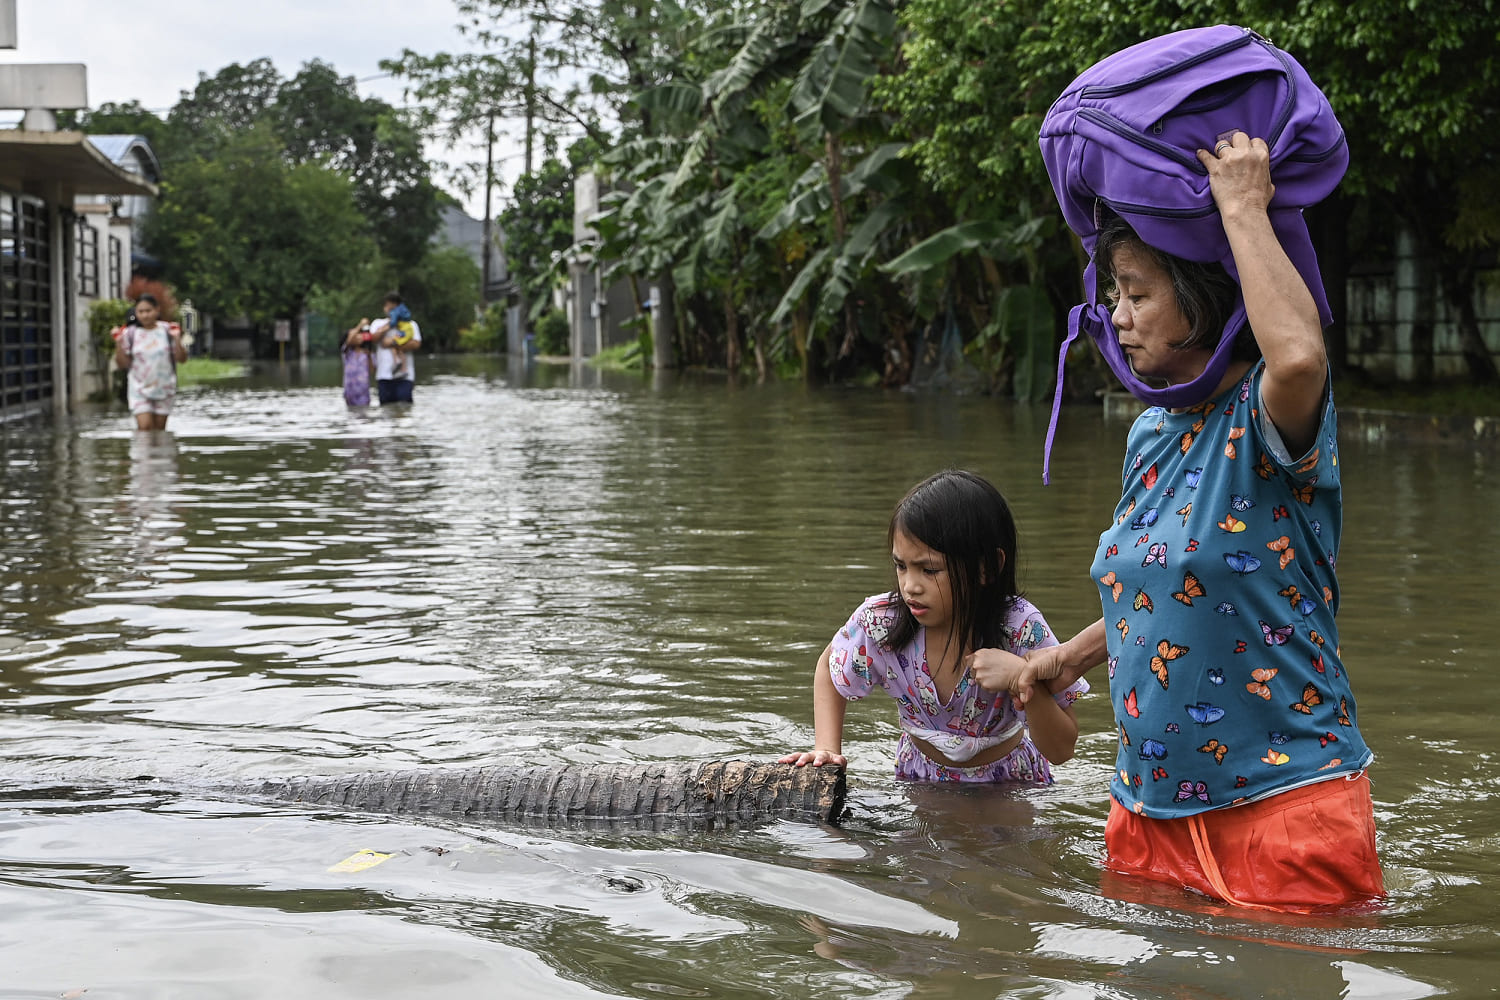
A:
(659, 795)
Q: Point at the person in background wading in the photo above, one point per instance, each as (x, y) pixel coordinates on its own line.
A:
(397, 338)
(150, 350)
(358, 354)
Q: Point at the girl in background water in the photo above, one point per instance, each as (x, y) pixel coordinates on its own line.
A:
(150, 351)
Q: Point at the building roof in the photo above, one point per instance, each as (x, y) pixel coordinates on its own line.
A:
(61, 165)
(118, 148)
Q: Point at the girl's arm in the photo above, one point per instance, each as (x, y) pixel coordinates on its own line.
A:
(1056, 668)
(179, 350)
(1054, 729)
(828, 720)
(1278, 305)
(122, 356)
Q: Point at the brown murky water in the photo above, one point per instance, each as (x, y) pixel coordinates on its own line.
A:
(552, 565)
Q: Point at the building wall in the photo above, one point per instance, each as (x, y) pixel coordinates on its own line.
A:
(31, 300)
(1390, 310)
(596, 311)
(100, 270)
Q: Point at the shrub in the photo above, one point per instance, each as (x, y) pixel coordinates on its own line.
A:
(487, 333)
(552, 333)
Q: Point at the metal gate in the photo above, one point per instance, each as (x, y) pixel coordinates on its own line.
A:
(26, 320)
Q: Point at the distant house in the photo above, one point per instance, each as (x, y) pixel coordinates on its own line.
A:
(132, 154)
(107, 235)
(597, 308)
(50, 251)
(458, 228)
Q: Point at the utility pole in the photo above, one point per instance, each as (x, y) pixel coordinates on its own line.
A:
(489, 186)
(530, 97)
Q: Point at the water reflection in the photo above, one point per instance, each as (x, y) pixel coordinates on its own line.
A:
(552, 563)
(146, 514)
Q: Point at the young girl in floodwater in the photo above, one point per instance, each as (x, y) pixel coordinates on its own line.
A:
(953, 543)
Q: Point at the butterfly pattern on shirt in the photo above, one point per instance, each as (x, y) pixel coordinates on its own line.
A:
(1217, 575)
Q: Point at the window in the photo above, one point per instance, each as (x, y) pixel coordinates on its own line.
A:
(88, 259)
(116, 268)
(25, 305)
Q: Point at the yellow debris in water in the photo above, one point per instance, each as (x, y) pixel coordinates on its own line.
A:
(359, 861)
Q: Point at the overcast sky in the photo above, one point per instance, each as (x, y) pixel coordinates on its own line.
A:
(152, 50)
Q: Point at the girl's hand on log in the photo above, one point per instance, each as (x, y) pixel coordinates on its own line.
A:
(817, 758)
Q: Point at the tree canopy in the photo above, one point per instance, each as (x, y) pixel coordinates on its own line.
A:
(852, 188)
(275, 189)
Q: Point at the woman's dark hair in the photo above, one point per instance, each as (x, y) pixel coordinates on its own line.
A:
(965, 518)
(1205, 292)
(148, 297)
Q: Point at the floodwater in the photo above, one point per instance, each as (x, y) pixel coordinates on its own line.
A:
(551, 565)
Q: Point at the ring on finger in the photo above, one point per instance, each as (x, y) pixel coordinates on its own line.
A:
(1223, 145)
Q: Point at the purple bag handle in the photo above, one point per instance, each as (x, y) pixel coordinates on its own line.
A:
(1095, 321)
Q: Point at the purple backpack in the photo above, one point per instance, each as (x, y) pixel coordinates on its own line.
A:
(1124, 136)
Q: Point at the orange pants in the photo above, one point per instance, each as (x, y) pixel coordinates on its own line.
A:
(1304, 849)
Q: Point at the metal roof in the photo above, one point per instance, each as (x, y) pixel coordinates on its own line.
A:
(118, 148)
(61, 165)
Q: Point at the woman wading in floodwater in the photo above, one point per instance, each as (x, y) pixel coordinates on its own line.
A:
(150, 350)
(1240, 769)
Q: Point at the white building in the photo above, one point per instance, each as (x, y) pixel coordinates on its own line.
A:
(47, 362)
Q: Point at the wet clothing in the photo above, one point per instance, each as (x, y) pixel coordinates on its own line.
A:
(1310, 847)
(394, 390)
(1219, 593)
(972, 720)
(356, 376)
(151, 385)
(388, 364)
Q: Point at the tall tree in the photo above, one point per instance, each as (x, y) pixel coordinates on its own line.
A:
(247, 233)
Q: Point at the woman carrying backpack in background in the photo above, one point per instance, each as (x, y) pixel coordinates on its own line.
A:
(150, 350)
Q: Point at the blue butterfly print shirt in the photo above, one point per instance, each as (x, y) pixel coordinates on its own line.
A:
(1218, 583)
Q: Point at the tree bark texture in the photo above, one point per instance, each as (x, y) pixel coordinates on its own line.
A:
(664, 795)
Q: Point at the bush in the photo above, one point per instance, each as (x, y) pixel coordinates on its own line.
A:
(442, 291)
(552, 333)
(104, 316)
(487, 333)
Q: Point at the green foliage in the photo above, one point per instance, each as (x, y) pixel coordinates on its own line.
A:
(248, 233)
(552, 333)
(538, 229)
(196, 370)
(128, 118)
(620, 358)
(320, 147)
(322, 119)
(105, 315)
(1018, 341)
(442, 292)
(813, 183)
(487, 333)
(357, 297)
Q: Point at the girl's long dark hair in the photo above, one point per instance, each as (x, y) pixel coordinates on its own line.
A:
(964, 517)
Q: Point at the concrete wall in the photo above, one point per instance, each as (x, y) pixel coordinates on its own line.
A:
(596, 310)
(1391, 310)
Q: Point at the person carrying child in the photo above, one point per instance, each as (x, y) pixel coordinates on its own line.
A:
(953, 543)
(396, 338)
(403, 329)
